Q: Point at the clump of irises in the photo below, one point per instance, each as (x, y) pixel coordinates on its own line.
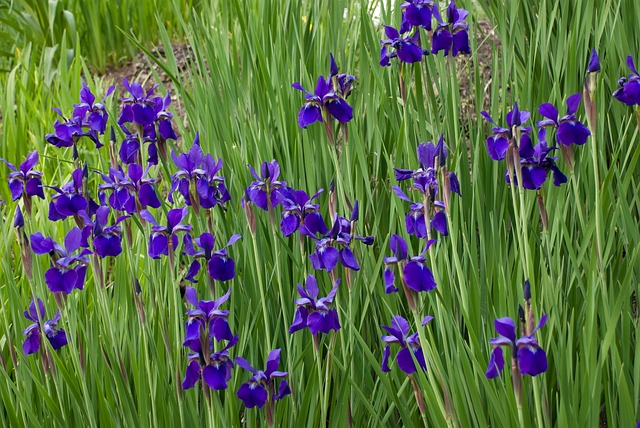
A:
(428, 213)
(450, 37)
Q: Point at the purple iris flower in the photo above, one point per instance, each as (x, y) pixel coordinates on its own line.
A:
(327, 101)
(69, 199)
(89, 120)
(570, 129)
(67, 271)
(163, 239)
(220, 266)
(410, 343)
(107, 240)
(206, 319)
(498, 142)
(262, 192)
(407, 49)
(629, 90)
(327, 255)
(25, 181)
(130, 149)
(261, 387)
(416, 13)
(131, 192)
(296, 207)
(213, 367)
(536, 163)
(56, 336)
(453, 35)
(318, 315)
(415, 218)
(415, 272)
(531, 358)
(197, 177)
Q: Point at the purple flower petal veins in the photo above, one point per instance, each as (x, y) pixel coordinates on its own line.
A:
(57, 337)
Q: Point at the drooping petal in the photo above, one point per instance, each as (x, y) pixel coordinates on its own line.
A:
(192, 375)
(385, 359)
(348, 260)
(532, 360)
(221, 268)
(323, 322)
(496, 363)
(252, 395)
(389, 280)
(31, 343)
(60, 281)
(439, 223)
(57, 339)
(310, 113)
(419, 277)
(215, 376)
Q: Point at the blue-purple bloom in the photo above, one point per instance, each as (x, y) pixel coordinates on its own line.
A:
(131, 192)
(594, 62)
(56, 336)
(163, 239)
(261, 387)
(416, 13)
(196, 180)
(317, 314)
(262, 192)
(25, 182)
(407, 49)
(498, 142)
(207, 318)
(89, 120)
(220, 266)
(68, 269)
(328, 99)
(570, 129)
(451, 36)
(107, 240)
(629, 90)
(531, 358)
(69, 199)
(213, 367)
(410, 343)
(341, 235)
(415, 272)
(296, 207)
(536, 163)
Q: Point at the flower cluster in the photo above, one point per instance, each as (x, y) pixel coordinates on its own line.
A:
(429, 210)
(204, 323)
(89, 119)
(450, 37)
(409, 343)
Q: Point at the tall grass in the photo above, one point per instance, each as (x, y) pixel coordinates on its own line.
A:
(238, 95)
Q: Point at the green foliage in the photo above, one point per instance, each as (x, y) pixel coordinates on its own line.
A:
(120, 370)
